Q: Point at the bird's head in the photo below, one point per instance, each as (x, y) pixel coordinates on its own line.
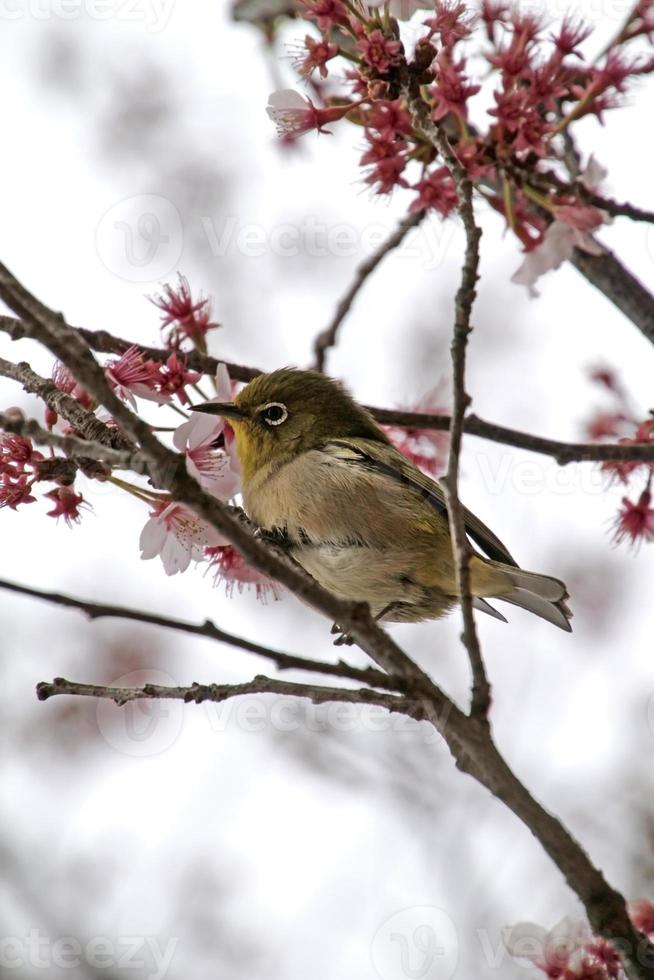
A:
(278, 416)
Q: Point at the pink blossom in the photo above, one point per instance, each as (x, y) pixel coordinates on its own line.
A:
(388, 118)
(17, 450)
(184, 318)
(313, 56)
(133, 375)
(436, 191)
(641, 913)
(604, 425)
(452, 89)
(173, 377)
(550, 951)
(570, 35)
(176, 535)
(215, 470)
(379, 52)
(583, 217)
(67, 504)
(593, 174)
(426, 448)
(64, 381)
(557, 245)
(230, 567)
(326, 13)
(294, 115)
(15, 490)
(451, 21)
(386, 160)
(635, 521)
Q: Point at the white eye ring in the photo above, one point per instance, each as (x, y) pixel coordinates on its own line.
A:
(275, 421)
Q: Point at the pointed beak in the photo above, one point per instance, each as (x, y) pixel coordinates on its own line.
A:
(227, 409)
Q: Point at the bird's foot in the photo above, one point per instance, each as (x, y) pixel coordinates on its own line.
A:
(343, 638)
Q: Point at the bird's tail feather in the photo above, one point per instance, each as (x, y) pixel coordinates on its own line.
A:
(539, 594)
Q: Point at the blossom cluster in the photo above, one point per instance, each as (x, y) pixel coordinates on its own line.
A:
(634, 522)
(569, 951)
(532, 84)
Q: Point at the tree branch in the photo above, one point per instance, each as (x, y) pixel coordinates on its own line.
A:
(198, 693)
(208, 630)
(618, 284)
(327, 338)
(72, 445)
(65, 405)
(465, 297)
(562, 452)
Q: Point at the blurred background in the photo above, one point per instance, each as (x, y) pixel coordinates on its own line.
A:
(265, 838)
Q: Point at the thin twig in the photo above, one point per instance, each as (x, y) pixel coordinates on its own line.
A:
(327, 338)
(83, 421)
(208, 630)
(72, 445)
(465, 297)
(198, 693)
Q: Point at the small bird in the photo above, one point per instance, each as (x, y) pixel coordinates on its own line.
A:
(324, 480)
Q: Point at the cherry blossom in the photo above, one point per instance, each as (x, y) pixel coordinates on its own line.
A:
(313, 56)
(229, 566)
(379, 52)
(15, 490)
(172, 378)
(557, 245)
(177, 536)
(642, 915)
(551, 951)
(426, 448)
(131, 374)
(294, 115)
(436, 191)
(67, 504)
(183, 318)
(635, 521)
(217, 471)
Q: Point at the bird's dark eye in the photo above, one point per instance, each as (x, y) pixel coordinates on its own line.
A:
(274, 414)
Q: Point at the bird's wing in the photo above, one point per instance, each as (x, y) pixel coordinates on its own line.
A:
(389, 461)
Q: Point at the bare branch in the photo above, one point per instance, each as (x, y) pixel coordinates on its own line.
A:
(198, 693)
(107, 343)
(562, 452)
(208, 630)
(465, 297)
(327, 338)
(65, 405)
(72, 445)
(625, 291)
